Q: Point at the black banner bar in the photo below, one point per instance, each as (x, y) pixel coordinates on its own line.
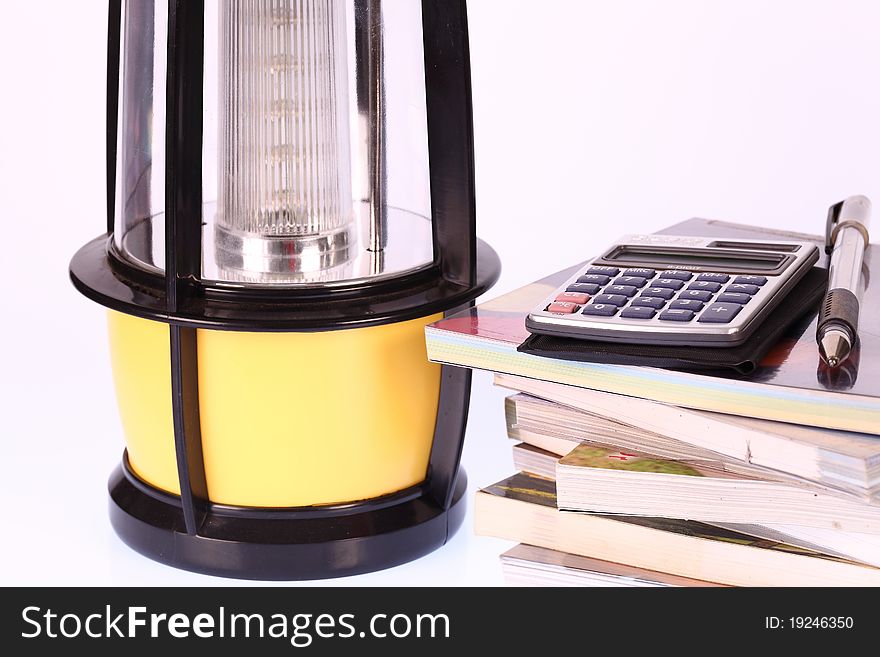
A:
(319, 620)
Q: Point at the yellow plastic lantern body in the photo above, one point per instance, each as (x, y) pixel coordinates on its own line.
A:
(287, 419)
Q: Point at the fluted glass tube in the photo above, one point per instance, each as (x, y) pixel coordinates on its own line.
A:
(284, 162)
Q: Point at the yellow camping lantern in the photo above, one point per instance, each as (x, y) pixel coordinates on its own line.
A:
(290, 203)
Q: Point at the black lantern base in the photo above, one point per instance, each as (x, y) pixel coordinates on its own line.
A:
(282, 544)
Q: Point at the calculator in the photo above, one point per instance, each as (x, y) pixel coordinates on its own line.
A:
(674, 290)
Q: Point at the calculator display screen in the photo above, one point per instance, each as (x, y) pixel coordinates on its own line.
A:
(702, 258)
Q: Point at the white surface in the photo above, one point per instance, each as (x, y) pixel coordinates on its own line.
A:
(592, 119)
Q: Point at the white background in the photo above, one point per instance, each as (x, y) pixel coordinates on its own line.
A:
(592, 119)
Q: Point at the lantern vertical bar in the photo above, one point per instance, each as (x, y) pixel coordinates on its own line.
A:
(183, 242)
(114, 29)
(451, 157)
(449, 431)
(370, 85)
(187, 428)
(450, 138)
(183, 151)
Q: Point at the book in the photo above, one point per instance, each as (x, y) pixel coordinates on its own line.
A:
(854, 546)
(535, 461)
(523, 509)
(602, 480)
(839, 461)
(789, 385)
(559, 429)
(527, 565)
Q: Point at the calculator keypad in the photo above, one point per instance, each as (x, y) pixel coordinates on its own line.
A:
(668, 296)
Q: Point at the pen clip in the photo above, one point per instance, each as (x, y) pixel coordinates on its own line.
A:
(831, 224)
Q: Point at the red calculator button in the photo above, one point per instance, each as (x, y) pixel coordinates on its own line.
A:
(573, 297)
(562, 307)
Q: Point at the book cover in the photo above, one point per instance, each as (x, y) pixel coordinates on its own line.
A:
(523, 509)
(603, 458)
(789, 385)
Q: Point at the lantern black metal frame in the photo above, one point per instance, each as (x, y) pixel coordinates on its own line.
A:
(191, 532)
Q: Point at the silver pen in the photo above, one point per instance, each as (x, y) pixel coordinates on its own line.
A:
(846, 238)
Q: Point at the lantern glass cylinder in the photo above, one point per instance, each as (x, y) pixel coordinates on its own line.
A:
(139, 230)
(301, 182)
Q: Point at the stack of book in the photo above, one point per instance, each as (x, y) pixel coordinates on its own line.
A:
(637, 476)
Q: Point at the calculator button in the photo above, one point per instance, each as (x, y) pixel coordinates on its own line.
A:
(641, 273)
(603, 309)
(707, 286)
(641, 312)
(687, 304)
(751, 280)
(714, 278)
(677, 274)
(585, 288)
(650, 302)
(635, 281)
(733, 297)
(743, 288)
(676, 315)
(671, 283)
(625, 290)
(613, 299)
(604, 271)
(598, 279)
(697, 295)
(662, 292)
(573, 297)
(720, 313)
(563, 307)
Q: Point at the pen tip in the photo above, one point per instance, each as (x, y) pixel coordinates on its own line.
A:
(834, 347)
